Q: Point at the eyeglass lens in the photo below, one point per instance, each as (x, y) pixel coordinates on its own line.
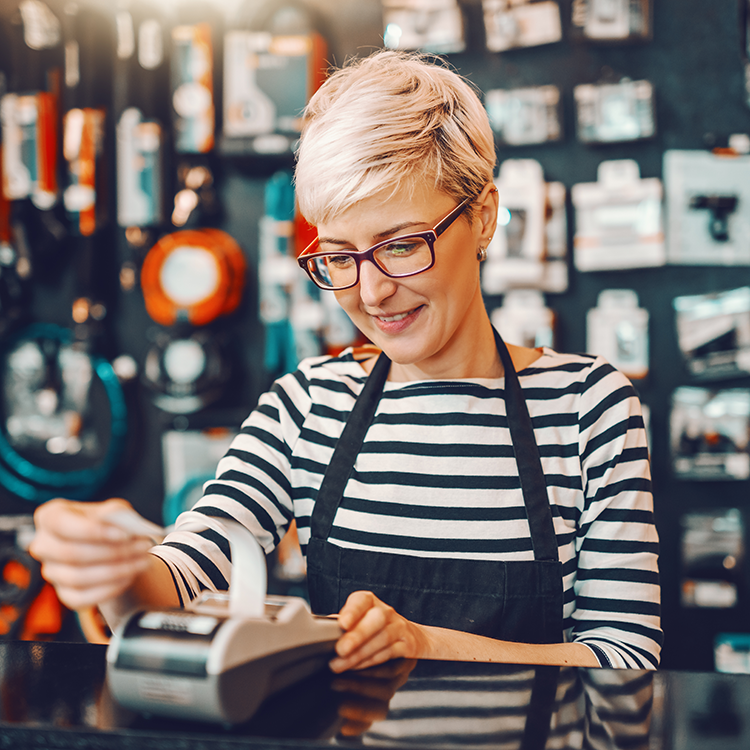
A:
(404, 257)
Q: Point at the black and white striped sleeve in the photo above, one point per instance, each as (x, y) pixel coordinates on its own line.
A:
(617, 591)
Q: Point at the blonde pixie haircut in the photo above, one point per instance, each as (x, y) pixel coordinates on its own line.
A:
(388, 122)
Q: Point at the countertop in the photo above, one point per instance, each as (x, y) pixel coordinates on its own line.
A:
(55, 695)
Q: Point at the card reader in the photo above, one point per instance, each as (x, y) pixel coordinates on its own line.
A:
(221, 656)
(205, 665)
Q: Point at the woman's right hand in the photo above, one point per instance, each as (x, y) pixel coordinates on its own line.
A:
(88, 560)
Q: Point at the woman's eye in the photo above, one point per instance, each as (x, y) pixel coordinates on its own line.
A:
(401, 248)
(340, 261)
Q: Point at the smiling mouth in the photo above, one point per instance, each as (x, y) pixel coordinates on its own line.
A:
(396, 318)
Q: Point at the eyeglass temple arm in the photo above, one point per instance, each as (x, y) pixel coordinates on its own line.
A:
(451, 217)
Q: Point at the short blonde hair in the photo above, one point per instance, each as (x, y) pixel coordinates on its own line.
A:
(388, 122)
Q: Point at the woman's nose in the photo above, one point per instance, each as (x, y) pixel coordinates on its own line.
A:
(374, 285)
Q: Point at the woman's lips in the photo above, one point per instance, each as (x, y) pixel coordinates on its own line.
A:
(397, 322)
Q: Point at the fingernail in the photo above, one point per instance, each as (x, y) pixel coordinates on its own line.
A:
(336, 665)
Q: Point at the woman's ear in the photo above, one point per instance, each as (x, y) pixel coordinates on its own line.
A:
(487, 203)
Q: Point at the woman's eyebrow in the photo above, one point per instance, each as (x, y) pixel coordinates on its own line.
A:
(379, 236)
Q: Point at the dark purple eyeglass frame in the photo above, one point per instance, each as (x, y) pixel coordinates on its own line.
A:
(429, 236)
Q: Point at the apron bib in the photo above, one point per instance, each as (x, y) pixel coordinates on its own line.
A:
(515, 601)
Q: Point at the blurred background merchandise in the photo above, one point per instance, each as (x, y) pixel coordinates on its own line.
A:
(148, 289)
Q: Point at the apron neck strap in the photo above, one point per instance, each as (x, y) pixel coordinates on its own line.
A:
(347, 449)
(530, 472)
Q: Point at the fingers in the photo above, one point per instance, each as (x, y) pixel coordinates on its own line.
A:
(367, 634)
(375, 634)
(360, 660)
(79, 521)
(355, 607)
(86, 559)
(48, 548)
(373, 642)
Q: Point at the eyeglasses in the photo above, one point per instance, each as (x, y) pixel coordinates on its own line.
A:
(397, 257)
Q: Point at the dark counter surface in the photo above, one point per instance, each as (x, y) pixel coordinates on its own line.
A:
(55, 695)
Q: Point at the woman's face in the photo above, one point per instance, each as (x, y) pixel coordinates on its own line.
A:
(427, 324)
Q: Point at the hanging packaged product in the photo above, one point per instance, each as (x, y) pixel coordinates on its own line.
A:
(709, 433)
(277, 272)
(29, 106)
(150, 44)
(618, 219)
(195, 196)
(29, 111)
(141, 77)
(732, 653)
(524, 319)
(15, 270)
(518, 242)
(429, 25)
(83, 147)
(65, 416)
(192, 71)
(510, 24)
(139, 170)
(41, 27)
(712, 552)
(615, 112)
(708, 208)
(88, 38)
(268, 80)
(525, 116)
(193, 276)
(30, 147)
(555, 276)
(307, 317)
(529, 246)
(83, 136)
(713, 332)
(612, 20)
(186, 370)
(617, 329)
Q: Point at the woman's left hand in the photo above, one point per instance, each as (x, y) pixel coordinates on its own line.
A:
(375, 633)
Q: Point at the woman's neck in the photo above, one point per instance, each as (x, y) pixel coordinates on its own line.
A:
(470, 353)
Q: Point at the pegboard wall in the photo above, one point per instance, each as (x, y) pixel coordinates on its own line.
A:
(694, 60)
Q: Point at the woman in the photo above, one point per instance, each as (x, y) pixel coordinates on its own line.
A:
(431, 521)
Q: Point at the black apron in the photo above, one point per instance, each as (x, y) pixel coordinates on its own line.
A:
(514, 601)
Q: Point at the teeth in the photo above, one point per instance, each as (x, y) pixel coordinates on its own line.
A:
(394, 318)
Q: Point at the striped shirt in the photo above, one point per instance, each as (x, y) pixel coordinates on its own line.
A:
(436, 477)
(482, 706)
(490, 706)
